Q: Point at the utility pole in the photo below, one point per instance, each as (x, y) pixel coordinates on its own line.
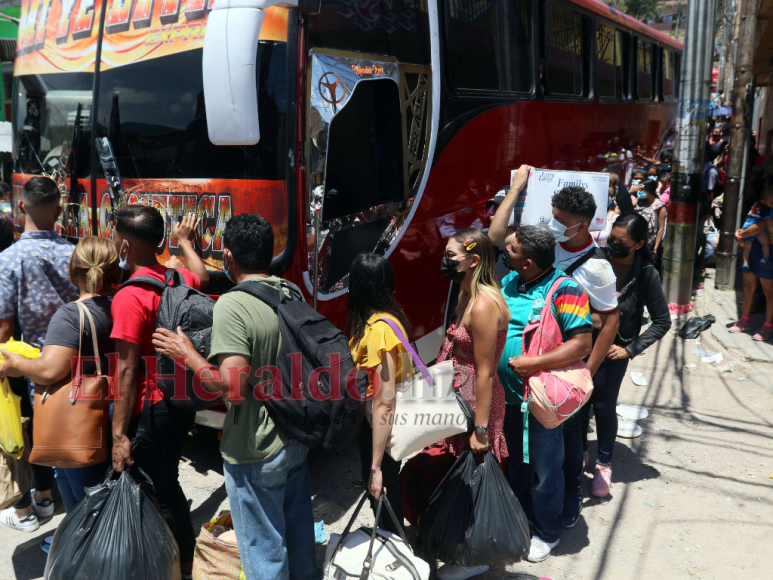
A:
(678, 17)
(683, 209)
(723, 49)
(727, 248)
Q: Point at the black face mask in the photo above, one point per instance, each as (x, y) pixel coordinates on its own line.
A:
(506, 260)
(448, 268)
(618, 250)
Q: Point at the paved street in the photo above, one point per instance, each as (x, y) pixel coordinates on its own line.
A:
(691, 498)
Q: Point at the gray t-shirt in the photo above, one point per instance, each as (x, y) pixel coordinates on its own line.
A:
(64, 330)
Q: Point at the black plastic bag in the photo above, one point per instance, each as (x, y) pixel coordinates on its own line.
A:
(697, 324)
(116, 532)
(473, 517)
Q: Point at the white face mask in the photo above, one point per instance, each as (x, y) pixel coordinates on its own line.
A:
(558, 230)
(123, 263)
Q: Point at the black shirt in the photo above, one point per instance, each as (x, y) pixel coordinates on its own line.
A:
(64, 330)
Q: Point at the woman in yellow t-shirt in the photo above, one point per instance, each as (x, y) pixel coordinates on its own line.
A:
(375, 346)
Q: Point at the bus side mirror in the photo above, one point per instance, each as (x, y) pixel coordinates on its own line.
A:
(230, 69)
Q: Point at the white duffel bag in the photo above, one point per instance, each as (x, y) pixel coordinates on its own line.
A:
(372, 554)
(427, 408)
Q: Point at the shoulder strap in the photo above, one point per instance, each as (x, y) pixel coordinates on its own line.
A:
(145, 280)
(261, 292)
(407, 345)
(95, 345)
(594, 252)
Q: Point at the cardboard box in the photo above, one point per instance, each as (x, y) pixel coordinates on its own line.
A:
(534, 207)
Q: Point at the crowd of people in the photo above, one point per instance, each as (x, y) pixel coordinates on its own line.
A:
(597, 294)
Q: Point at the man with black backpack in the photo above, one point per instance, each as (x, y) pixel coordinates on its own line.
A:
(266, 475)
(140, 409)
(578, 255)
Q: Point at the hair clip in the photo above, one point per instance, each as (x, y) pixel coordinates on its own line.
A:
(469, 244)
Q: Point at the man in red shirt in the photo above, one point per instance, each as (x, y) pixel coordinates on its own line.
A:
(160, 428)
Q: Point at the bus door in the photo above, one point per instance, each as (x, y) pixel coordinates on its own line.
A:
(367, 140)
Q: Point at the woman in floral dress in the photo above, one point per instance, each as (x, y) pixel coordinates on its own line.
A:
(476, 339)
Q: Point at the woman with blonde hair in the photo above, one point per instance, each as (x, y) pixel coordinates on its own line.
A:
(94, 269)
(475, 341)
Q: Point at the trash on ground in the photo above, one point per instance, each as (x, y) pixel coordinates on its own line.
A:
(743, 378)
(632, 412)
(718, 300)
(723, 368)
(628, 430)
(676, 383)
(697, 324)
(703, 352)
(320, 535)
(714, 358)
(638, 379)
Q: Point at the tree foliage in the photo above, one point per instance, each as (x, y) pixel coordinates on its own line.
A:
(640, 9)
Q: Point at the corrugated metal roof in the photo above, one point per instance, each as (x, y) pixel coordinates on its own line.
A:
(7, 49)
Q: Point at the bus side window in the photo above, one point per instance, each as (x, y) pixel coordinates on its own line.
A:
(623, 63)
(566, 40)
(643, 70)
(488, 44)
(606, 70)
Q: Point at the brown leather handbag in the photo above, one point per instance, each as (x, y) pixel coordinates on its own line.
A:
(71, 425)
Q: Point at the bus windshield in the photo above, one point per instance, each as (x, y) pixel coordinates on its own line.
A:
(153, 113)
(46, 108)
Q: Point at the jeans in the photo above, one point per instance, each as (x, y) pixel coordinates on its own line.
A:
(42, 477)
(573, 457)
(390, 470)
(272, 515)
(606, 387)
(72, 482)
(158, 452)
(539, 484)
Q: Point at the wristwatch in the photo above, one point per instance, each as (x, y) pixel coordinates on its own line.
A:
(481, 430)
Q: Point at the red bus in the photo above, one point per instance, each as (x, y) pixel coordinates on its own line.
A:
(351, 125)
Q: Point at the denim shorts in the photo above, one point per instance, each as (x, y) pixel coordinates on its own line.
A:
(764, 271)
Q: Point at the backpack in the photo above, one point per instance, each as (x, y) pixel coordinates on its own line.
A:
(332, 414)
(191, 310)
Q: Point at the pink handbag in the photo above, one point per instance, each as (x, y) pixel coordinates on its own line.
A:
(553, 395)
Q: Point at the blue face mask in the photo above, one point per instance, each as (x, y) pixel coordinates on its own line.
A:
(635, 181)
(123, 263)
(641, 194)
(652, 177)
(666, 166)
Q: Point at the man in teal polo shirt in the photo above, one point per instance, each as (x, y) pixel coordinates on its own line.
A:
(539, 484)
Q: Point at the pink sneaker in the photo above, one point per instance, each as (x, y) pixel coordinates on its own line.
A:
(739, 326)
(763, 333)
(602, 481)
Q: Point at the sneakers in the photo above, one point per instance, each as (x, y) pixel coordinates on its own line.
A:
(540, 549)
(763, 333)
(452, 572)
(739, 326)
(602, 481)
(28, 523)
(44, 508)
(572, 510)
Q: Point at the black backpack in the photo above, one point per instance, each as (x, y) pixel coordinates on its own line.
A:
(191, 310)
(333, 417)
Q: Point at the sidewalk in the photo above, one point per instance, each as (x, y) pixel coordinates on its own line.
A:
(726, 307)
